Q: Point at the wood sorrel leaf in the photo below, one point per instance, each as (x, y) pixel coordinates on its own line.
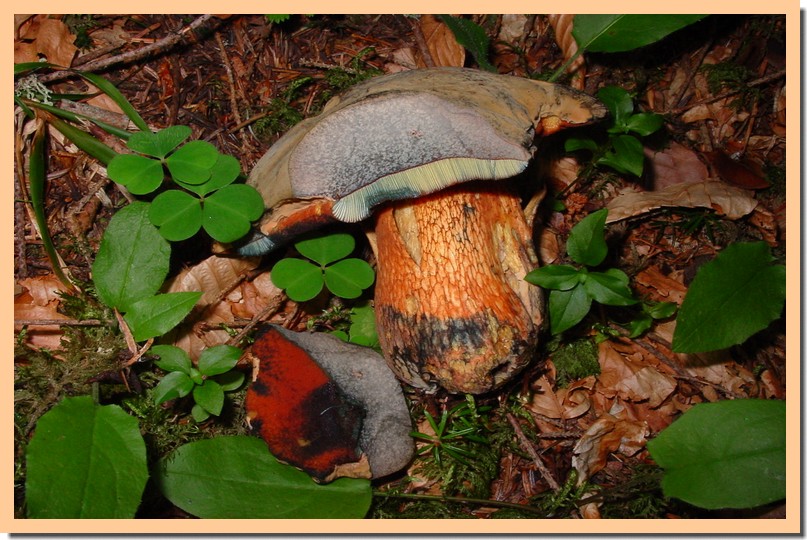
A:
(349, 277)
(228, 213)
(301, 280)
(158, 144)
(177, 214)
(327, 249)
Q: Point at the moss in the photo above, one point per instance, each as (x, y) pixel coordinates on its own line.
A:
(575, 360)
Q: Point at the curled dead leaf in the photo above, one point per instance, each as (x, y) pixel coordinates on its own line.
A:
(729, 201)
(631, 379)
(563, 403)
(39, 299)
(441, 43)
(607, 435)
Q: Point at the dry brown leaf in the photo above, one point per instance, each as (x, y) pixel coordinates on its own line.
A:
(665, 288)
(676, 164)
(631, 379)
(55, 42)
(40, 300)
(563, 403)
(227, 297)
(442, 45)
(727, 200)
(607, 435)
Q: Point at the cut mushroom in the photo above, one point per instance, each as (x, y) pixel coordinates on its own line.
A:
(451, 305)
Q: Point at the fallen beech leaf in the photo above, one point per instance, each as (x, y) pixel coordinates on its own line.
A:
(607, 435)
(442, 45)
(736, 173)
(40, 300)
(308, 399)
(664, 287)
(55, 42)
(630, 379)
(727, 200)
(676, 164)
(563, 403)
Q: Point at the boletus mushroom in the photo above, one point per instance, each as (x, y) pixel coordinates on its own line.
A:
(418, 149)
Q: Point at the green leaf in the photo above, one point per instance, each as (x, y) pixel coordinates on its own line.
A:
(155, 315)
(158, 144)
(301, 280)
(362, 326)
(326, 249)
(555, 276)
(729, 454)
(133, 259)
(660, 310)
(177, 214)
(230, 381)
(210, 396)
(573, 144)
(645, 123)
(731, 298)
(85, 461)
(471, 36)
(192, 163)
(139, 174)
(639, 325)
(349, 277)
(223, 173)
(172, 358)
(218, 359)
(199, 413)
(586, 243)
(610, 288)
(618, 33)
(619, 103)
(627, 157)
(84, 141)
(567, 308)
(237, 478)
(175, 384)
(228, 213)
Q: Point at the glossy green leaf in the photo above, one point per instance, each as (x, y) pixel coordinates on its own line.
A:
(661, 310)
(177, 214)
(158, 144)
(567, 308)
(731, 298)
(627, 157)
(586, 243)
(619, 103)
(573, 144)
(192, 163)
(155, 315)
(349, 277)
(611, 288)
(210, 396)
(729, 454)
(471, 36)
(645, 123)
(555, 276)
(230, 381)
(228, 213)
(362, 326)
(618, 33)
(172, 358)
(85, 461)
(218, 359)
(133, 259)
(300, 279)
(237, 478)
(327, 249)
(175, 384)
(199, 413)
(139, 174)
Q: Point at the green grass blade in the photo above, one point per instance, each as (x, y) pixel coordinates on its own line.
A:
(36, 190)
(109, 89)
(84, 141)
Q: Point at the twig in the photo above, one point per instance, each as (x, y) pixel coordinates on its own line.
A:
(61, 322)
(526, 444)
(260, 317)
(185, 34)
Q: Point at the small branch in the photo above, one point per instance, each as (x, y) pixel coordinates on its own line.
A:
(61, 322)
(185, 34)
(526, 444)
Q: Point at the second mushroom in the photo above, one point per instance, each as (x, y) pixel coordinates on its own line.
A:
(417, 151)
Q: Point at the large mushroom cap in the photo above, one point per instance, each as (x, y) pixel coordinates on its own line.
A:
(403, 135)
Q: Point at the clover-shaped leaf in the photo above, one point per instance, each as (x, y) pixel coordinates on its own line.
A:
(223, 173)
(177, 214)
(158, 144)
(228, 213)
(139, 174)
(301, 280)
(349, 277)
(192, 162)
(327, 249)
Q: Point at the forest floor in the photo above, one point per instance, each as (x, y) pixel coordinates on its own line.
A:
(596, 396)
